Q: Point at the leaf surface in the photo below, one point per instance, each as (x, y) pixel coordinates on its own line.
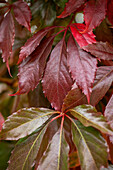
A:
(94, 13)
(24, 154)
(32, 43)
(91, 146)
(109, 112)
(56, 156)
(83, 39)
(110, 11)
(32, 68)
(88, 116)
(102, 83)
(24, 122)
(102, 50)
(22, 13)
(7, 34)
(57, 81)
(82, 67)
(71, 6)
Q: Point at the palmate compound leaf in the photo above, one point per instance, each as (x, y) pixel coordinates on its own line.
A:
(57, 81)
(102, 83)
(24, 122)
(82, 67)
(102, 50)
(56, 155)
(71, 6)
(28, 152)
(32, 68)
(33, 42)
(91, 146)
(88, 116)
(7, 33)
(110, 11)
(22, 13)
(94, 13)
(83, 39)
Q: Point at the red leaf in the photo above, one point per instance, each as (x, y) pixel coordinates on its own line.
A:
(22, 13)
(57, 81)
(82, 39)
(82, 67)
(102, 50)
(71, 6)
(32, 43)
(7, 34)
(32, 68)
(1, 121)
(109, 112)
(94, 13)
(102, 83)
(110, 11)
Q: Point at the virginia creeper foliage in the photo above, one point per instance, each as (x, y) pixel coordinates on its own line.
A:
(65, 70)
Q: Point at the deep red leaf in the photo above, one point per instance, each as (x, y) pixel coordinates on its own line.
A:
(33, 42)
(22, 13)
(57, 81)
(102, 50)
(7, 34)
(102, 83)
(1, 121)
(82, 39)
(110, 11)
(94, 13)
(32, 68)
(82, 67)
(109, 112)
(71, 6)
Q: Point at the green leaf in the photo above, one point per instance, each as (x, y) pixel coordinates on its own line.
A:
(91, 146)
(88, 116)
(24, 122)
(56, 156)
(24, 154)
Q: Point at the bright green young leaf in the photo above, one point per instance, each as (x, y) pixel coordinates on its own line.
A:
(56, 156)
(24, 154)
(24, 122)
(91, 146)
(88, 116)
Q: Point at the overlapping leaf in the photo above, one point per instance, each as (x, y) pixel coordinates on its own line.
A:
(74, 98)
(109, 112)
(24, 122)
(91, 146)
(82, 67)
(88, 116)
(22, 13)
(71, 6)
(56, 156)
(94, 13)
(102, 83)
(32, 68)
(7, 34)
(57, 81)
(33, 42)
(24, 154)
(102, 50)
(82, 39)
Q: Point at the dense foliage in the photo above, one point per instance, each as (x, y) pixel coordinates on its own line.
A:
(56, 82)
